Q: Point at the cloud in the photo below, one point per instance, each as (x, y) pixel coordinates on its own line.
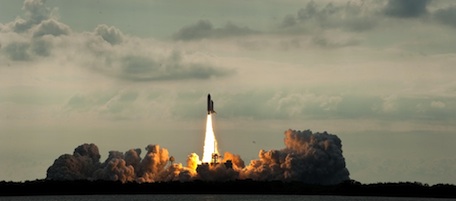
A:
(110, 34)
(204, 29)
(30, 38)
(437, 104)
(18, 51)
(105, 50)
(406, 8)
(38, 43)
(41, 47)
(51, 27)
(112, 105)
(446, 15)
(296, 104)
(139, 67)
(352, 16)
(389, 104)
(35, 12)
(334, 42)
(173, 67)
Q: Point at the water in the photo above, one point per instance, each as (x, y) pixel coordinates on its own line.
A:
(208, 198)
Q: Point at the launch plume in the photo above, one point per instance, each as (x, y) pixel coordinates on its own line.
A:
(307, 157)
(210, 143)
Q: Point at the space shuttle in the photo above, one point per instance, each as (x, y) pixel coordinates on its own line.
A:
(210, 105)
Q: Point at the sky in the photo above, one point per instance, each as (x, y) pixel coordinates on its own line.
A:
(125, 74)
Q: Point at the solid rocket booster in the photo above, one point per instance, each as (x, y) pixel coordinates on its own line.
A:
(210, 105)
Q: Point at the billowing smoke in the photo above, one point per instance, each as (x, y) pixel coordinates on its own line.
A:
(307, 157)
(125, 167)
(153, 163)
(81, 165)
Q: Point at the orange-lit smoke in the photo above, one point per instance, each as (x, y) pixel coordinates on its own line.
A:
(210, 143)
(314, 158)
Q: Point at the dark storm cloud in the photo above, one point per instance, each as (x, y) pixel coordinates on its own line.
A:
(406, 8)
(205, 29)
(446, 15)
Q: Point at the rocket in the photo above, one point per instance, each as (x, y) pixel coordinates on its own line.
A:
(210, 105)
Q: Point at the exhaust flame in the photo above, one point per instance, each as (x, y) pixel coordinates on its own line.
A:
(210, 144)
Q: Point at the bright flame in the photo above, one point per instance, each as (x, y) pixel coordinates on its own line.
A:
(210, 144)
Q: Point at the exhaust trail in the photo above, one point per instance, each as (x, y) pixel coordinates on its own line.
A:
(210, 143)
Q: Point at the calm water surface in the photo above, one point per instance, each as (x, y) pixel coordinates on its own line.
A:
(208, 198)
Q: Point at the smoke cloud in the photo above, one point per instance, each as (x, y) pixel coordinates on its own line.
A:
(81, 165)
(308, 157)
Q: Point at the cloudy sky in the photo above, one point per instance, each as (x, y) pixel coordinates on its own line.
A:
(125, 74)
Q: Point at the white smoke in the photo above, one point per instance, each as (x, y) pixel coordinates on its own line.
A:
(308, 157)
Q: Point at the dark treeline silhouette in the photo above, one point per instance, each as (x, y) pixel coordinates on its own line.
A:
(348, 188)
